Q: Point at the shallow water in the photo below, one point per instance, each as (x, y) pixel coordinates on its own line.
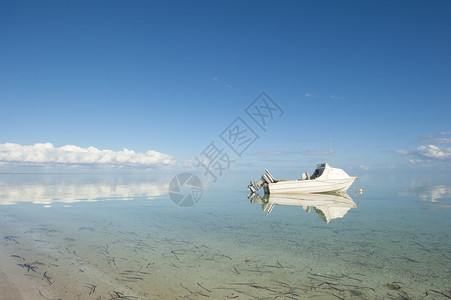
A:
(110, 236)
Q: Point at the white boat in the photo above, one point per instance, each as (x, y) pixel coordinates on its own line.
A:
(325, 179)
(327, 206)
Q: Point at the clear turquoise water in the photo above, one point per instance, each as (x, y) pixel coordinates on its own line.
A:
(123, 235)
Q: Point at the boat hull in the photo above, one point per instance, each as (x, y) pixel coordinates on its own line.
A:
(310, 186)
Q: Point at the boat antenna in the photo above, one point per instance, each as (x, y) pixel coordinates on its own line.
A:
(330, 146)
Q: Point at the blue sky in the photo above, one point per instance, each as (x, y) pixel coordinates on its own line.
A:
(170, 76)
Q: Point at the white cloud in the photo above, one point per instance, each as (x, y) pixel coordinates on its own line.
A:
(336, 98)
(434, 135)
(433, 152)
(284, 153)
(413, 161)
(48, 154)
(443, 141)
(308, 95)
(427, 153)
(364, 167)
(402, 152)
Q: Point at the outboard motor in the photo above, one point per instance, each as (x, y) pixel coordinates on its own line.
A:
(264, 180)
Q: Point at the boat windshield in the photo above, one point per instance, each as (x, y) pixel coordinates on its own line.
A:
(318, 171)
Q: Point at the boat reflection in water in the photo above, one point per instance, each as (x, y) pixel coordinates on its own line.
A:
(328, 206)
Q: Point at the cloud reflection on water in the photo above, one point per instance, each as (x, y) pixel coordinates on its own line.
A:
(48, 189)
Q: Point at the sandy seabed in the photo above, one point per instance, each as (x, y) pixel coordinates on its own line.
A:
(117, 254)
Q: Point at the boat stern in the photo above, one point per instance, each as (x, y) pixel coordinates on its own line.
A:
(263, 182)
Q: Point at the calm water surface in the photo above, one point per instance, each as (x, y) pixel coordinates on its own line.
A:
(112, 236)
